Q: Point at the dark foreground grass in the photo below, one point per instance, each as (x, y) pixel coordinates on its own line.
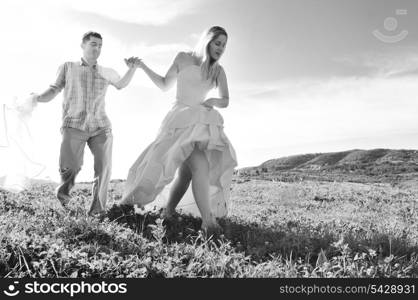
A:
(277, 229)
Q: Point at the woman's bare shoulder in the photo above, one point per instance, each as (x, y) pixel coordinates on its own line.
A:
(184, 56)
(184, 59)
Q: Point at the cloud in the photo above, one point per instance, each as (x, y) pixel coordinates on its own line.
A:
(39, 48)
(155, 12)
(158, 52)
(398, 61)
(321, 115)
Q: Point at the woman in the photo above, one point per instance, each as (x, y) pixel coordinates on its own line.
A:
(191, 140)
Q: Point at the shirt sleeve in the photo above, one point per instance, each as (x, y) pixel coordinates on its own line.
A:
(59, 84)
(110, 75)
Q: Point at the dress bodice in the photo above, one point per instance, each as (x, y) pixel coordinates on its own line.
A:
(192, 89)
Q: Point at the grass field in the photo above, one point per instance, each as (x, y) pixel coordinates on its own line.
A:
(275, 229)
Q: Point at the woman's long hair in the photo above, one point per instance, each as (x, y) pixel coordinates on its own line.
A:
(209, 67)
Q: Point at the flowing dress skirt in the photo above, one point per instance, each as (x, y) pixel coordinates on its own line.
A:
(184, 128)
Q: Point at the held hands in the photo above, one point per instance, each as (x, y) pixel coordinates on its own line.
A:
(134, 62)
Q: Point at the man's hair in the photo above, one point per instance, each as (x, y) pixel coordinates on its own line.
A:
(88, 35)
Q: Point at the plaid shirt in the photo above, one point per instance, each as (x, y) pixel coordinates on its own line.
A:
(84, 94)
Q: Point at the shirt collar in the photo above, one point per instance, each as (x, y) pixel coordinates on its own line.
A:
(84, 63)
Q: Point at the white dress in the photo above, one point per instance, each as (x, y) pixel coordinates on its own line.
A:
(188, 124)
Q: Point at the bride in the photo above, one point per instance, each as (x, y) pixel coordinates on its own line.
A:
(191, 140)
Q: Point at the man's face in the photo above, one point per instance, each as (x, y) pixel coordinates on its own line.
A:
(92, 48)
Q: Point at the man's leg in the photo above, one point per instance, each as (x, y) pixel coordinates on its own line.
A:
(70, 161)
(101, 148)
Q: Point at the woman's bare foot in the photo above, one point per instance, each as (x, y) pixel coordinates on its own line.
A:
(212, 228)
(169, 214)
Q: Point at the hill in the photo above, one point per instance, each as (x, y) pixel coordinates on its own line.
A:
(377, 165)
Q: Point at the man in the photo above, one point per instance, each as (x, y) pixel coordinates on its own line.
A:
(84, 119)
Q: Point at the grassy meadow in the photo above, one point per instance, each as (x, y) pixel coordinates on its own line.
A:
(275, 229)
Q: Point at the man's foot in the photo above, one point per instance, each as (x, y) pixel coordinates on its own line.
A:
(62, 198)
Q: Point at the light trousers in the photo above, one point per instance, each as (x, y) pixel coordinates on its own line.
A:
(71, 159)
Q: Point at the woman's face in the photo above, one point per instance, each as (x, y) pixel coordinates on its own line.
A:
(217, 47)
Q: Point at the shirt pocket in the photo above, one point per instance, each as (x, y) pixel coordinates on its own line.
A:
(100, 83)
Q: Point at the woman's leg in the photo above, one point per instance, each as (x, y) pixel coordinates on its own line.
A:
(179, 188)
(199, 167)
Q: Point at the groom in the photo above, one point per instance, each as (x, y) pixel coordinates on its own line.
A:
(84, 119)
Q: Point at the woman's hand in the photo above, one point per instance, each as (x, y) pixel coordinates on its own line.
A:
(208, 103)
(216, 102)
(139, 63)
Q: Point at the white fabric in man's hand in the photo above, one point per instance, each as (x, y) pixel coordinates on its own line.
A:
(24, 105)
(17, 155)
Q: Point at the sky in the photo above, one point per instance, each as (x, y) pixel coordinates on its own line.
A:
(304, 76)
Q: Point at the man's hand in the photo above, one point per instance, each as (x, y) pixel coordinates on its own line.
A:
(35, 98)
(130, 62)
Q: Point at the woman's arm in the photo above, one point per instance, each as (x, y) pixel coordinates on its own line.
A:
(223, 100)
(166, 82)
